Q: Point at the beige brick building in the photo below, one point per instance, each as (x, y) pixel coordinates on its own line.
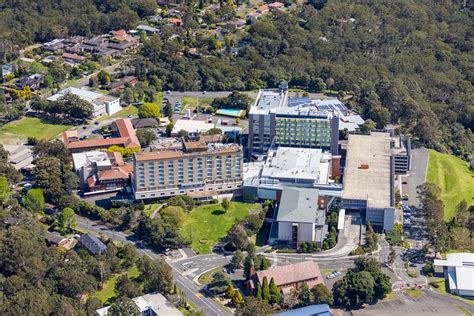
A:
(198, 169)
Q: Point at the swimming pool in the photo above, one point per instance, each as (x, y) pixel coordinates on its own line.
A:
(230, 112)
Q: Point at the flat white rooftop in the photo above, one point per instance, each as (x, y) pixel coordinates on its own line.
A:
(269, 99)
(460, 270)
(298, 164)
(191, 126)
(84, 158)
(367, 174)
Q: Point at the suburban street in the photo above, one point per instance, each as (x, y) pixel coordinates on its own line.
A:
(186, 285)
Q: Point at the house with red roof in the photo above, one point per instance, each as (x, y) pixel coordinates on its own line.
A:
(289, 277)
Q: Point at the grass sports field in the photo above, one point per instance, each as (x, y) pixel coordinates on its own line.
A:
(206, 224)
(31, 127)
(453, 176)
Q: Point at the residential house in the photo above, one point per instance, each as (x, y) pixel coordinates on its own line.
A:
(276, 5)
(57, 45)
(148, 29)
(289, 277)
(93, 244)
(101, 172)
(458, 269)
(149, 305)
(73, 58)
(122, 128)
(33, 81)
(122, 83)
(263, 9)
(6, 69)
(56, 240)
(145, 123)
(175, 21)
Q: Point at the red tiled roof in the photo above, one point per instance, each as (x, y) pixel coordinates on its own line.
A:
(263, 8)
(112, 174)
(127, 139)
(119, 32)
(276, 5)
(292, 273)
(98, 143)
(74, 56)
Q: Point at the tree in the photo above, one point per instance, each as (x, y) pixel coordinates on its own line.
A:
(225, 204)
(237, 259)
(371, 239)
(322, 295)
(169, 110)
(164, 277)
(265, 289)
(4, 190)
(354, 290)
(258, 291)
(428, 269)
(275, 295)
(149, 110)
(103, 77)
(219, 283)
(230, 291)
(237, 298)
(128, 254)
(238, 237)
(367, 126)
(169, 129)
(305, 295)
(124, 307)
(253, 307)
(67, 219)
(146, 136)
(34, 201)
(48, 172)
(126, 288)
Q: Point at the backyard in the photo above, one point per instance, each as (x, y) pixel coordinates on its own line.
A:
(453, 176)
(206, 224)
(31, 127)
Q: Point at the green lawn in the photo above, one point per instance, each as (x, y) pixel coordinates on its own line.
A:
(442, 290)
(415, 292)
(453, 176)
(192, 103)
(150, 208)
(206, 278)
(31, 127)
(126, 111)
(206, 224)
(108, 291)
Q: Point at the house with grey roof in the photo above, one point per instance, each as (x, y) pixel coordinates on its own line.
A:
(300, 217)
(93, 244)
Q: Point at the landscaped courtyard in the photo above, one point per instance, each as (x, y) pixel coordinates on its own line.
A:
(206, 224)
(31, 127)
(453, 176)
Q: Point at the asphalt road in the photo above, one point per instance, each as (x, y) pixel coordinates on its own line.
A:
(186, 285)
(417, 176)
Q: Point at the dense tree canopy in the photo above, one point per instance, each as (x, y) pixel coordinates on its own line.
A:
(405, 62)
